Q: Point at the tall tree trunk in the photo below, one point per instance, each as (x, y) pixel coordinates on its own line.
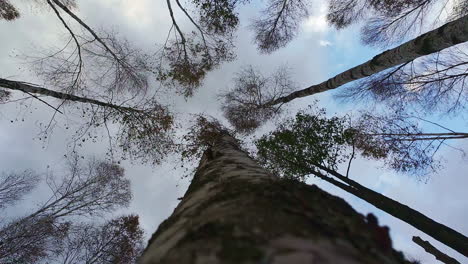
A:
(448, 35)
(438, 231)
(34, 89)
(235, 212)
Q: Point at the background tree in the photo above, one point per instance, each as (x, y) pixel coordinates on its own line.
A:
(13, 186)
(400, 142)
(111, 77)
(119, 240)
(90, 190)
(440, 256)
(390, 22)
(279, 23)
(185, 59)
(451, 34)
(313, 145)
(434, 83)
(246, 104)
(144, 131)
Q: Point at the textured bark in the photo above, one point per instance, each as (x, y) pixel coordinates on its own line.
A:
(442, 257)
(235, 212)
(448, 35)
(34, 89)
(438, 231)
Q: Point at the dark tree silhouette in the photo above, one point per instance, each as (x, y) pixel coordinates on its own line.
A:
(440, 256)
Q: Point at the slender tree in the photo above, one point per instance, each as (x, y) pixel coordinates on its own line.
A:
(144, 132)
(389, 22)
(434, 83)
(399, 141)
(450, 34)
(236, 212)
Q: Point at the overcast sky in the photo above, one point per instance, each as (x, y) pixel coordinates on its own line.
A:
(316, 54)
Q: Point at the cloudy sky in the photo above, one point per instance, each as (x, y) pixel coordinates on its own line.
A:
(316, 54)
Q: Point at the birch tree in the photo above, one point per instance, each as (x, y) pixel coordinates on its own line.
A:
(109, 79)
(449, 35)
(144, 132)
(236, 212)
(390, 22)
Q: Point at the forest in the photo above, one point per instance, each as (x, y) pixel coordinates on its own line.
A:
(233, 131)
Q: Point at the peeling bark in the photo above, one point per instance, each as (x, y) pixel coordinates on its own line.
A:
(235, 212)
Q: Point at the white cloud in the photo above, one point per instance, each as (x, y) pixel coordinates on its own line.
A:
(324, 43)
(317, 22)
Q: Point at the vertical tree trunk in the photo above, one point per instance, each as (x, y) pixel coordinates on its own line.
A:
(235, 212)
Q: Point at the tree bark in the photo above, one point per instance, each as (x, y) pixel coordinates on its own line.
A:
(448, 35)
(438, 231)
(34, 89)
(236, 212)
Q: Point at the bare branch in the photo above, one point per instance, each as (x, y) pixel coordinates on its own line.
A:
(13, 186)
(278, 24)
(246, 104)
(94, 189)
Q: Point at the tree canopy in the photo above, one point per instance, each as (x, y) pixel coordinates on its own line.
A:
(98, 82)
